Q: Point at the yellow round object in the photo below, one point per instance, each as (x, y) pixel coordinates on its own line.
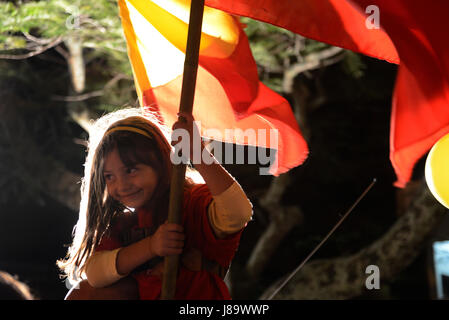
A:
(437, 170)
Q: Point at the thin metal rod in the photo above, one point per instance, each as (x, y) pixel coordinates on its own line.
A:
(324, 240)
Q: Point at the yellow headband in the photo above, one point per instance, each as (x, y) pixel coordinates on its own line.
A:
(129, 128)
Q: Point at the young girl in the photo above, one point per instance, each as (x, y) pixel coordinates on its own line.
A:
(122, 233)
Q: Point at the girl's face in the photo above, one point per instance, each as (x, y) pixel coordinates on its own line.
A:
(131, 186)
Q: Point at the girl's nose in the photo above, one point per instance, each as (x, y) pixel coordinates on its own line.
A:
(123, 184)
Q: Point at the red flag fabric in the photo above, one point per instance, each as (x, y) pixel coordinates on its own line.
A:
(336, 22)
(229, 98)
(420, 110)
(413, 30)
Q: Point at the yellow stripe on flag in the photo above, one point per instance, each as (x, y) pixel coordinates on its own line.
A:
(140, 76)
(220, 28)
(170, 17)
(162, 60)
(156, 33)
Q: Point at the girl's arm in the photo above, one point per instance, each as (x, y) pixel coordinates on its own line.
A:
(216, 177)
(231, 209)
(106, 267)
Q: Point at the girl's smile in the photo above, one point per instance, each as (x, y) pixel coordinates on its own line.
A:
(129, 197)
(131, 186)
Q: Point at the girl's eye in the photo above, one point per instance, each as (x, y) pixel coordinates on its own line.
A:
(131, 170)
(108, 177)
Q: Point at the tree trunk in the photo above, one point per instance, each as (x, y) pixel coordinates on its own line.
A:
(345, 277)
(78, 110)
(282, 220)
(75, 61)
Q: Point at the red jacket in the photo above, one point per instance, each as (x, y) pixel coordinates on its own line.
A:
(190, 285)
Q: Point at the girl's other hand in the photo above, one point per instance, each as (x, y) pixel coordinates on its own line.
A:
(167, 240)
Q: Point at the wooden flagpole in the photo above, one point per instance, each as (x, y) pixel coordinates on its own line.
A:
(178, 172)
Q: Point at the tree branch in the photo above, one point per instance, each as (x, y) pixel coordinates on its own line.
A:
(96, 93)
(63, 52)
(80, 97)
(311, 62)
(41, 41)
(39, 50)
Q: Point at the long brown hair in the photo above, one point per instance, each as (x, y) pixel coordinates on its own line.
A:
(97, 208)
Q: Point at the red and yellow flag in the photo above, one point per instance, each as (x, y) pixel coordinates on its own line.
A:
(414, 34)
(228, 94)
